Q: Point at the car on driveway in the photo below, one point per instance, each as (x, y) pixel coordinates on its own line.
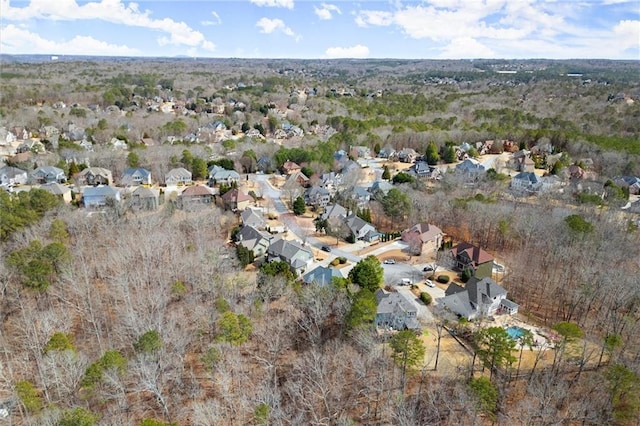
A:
(389, 262)
(427, 268)
(429, 283)
(326, 248)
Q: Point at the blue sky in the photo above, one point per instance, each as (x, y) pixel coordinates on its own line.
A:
(435, 29)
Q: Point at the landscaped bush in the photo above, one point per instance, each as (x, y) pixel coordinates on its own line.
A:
(335, 262)
(443, 279)
(342, 260)
(426, 298)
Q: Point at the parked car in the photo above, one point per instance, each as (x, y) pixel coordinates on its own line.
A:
(427, 268)
(326, 248)
(405, 281)
(429, 283)
(389, 262)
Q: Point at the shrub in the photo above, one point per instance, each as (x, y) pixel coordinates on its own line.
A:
(335, 262)
(29, 396)
(59, 342)
(466, 275)
(443, 279)
(426, 298)
(149, 342)
(342, 260)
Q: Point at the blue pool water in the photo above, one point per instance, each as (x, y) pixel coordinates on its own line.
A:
(515, 332)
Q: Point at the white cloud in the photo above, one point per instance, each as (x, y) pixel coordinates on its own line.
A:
(357, 51)
(20, 41)
(274, 3)
(269, 26)
(113, 11)
(374, 17)
(324, 11)
(215, 21)
(627, 34)
(466, 48)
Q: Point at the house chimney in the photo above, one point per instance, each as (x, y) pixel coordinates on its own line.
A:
(488, 292)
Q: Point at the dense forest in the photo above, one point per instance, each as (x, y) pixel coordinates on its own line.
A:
(149, 318)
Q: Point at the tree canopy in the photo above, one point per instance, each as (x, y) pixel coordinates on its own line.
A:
(368, 273)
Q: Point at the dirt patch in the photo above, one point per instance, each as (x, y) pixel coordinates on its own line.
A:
(453, 357)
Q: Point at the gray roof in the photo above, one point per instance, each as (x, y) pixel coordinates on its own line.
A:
(333, 210)
(49, 170)
(55, 188)
(140, 171)
(454, 289)
(251, 218)
(469, 166)
(355, 223)
(12, 172)
(100, 191)
(528, 176)
(287, 250)
(249, 237)
(389, 303)
(482, 291)
(178, 172)
(143, 192)
(220, 173)
(321, 276)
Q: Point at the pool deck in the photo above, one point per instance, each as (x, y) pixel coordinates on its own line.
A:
(542, 338)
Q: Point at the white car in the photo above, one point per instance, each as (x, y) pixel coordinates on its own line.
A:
(429, 283)
(389, 262)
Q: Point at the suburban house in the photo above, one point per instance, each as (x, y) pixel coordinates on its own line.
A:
(253, 239)
(93, 176)
(292, 252)
(527, 182)
(631, 182)
(395, 311)
(407, 155)
(178, 176)
(331, 181)
(48, 174)
(361, 229)
(423, 170)
(521, 161)
(135, 176)
(195, 196)
(468, 256)
(428, 237)
(480, 298)
(351, 167)
(470, 168)
(317, 196)
(252, 217)
(340, 158)
(380, 187)
(321, 276)
(235, 199)
(386, 152)
(145, 198)
(360, 151)
(13, 176)
(99, 196)
(264, 164)
(289, 167)
(298, 177)
(360, 195)
(58, 190)
(221, 176)
(334, 211)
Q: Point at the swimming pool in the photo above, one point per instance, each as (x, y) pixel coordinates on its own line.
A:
(515, 332)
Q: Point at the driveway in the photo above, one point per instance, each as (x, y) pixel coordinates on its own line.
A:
(424, 314)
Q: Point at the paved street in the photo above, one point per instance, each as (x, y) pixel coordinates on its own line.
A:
(393, 274)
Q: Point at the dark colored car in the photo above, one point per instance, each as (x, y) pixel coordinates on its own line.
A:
(326, 248)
